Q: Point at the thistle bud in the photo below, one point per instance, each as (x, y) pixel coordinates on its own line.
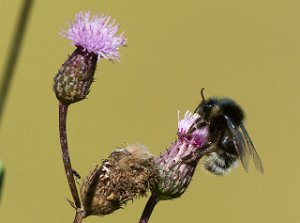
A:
(95, 39)
(177, 165)
(74, 78)
(126, 174)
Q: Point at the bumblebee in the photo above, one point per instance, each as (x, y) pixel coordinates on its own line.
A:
(228, 137)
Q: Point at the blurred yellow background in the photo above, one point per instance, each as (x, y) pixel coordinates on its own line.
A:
(248, 50)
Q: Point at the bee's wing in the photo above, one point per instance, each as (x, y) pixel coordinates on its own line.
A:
(239, 143)
(252, 151)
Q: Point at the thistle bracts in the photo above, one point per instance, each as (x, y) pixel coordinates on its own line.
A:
(126, 174)
(177, 165)
(74, 78)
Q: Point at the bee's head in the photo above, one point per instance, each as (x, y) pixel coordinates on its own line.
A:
(214, 109)
(208, 108)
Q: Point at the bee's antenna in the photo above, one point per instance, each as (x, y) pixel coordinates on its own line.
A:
(202, 95)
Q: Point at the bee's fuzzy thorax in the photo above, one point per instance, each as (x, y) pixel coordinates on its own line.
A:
(231, 109)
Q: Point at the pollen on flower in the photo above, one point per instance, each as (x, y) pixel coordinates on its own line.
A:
(96, 34)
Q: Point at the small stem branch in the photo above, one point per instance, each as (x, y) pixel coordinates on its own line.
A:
(80, 215)
(153, 200)
(63, 109)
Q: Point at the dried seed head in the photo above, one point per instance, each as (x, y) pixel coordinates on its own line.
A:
(126, 174)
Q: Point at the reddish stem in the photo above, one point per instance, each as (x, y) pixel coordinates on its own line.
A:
(63, 109)
(152, 202)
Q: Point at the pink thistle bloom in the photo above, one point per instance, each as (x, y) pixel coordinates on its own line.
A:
(177, 165)
(188, 131)
(96, 35)
(94, 38)
(185, 124)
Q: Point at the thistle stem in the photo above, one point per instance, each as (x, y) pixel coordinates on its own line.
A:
(152, 202)
(14, 52)
(80, 215)
(63, 110)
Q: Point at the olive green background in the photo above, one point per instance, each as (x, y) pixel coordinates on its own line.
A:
(247, 50)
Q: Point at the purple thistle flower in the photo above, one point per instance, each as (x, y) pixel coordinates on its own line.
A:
(96, 34)
(177, 165)
(184, 129)
(94, 38)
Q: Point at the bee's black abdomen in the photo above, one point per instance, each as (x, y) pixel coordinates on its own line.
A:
(219, 163)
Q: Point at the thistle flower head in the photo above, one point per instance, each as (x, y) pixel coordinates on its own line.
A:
(127, 173)
(96, 34)
(185, 124)
(94, 38)
(177, 165)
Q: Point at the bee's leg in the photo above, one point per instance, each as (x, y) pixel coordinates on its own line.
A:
(197, 154)
(207, 148)
(228, 145)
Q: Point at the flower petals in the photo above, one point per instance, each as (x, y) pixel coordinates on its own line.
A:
(96, 34)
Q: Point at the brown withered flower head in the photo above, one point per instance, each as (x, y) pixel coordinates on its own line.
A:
(126, 174)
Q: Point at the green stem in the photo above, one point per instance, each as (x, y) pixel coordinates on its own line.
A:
(14, 51)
